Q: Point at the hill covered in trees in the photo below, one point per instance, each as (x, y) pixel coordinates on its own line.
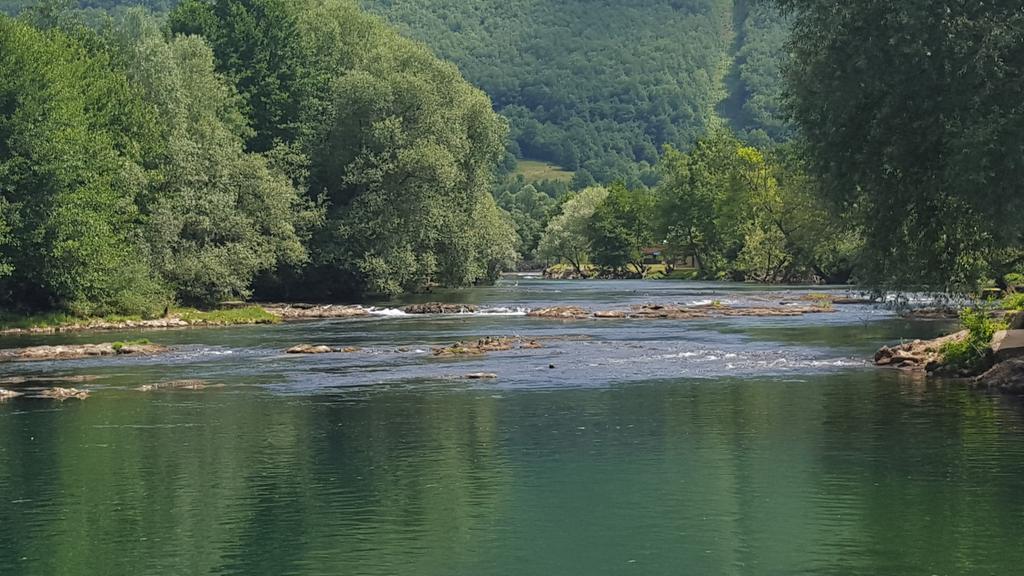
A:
(596, 85)
(604, 85)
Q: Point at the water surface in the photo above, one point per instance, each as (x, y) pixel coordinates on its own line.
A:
(732, 446)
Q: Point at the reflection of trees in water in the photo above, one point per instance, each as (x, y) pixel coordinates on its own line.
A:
(249, 485)
(928, 473)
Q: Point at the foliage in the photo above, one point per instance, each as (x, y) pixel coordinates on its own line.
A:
(72, 135)
(913, 118)
(404, 151)
(621, 227)
(227, 316)
(1014, 302)
(216, 216)
(599, 85)
(530, 210)
(566, 236)
(748, 214)
(973, 354)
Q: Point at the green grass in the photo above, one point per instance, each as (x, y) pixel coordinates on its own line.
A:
(973, 355)
(246, 315)
(117, 346)
(13, 321)
(534, 171)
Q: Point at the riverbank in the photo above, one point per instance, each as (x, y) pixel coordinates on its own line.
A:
(987, 354)
(12, 324)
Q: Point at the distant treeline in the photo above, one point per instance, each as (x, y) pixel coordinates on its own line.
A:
(295, 148)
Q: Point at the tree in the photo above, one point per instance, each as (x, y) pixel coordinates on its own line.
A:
(621, 228)
(701, 202)
(566, 236)
(259, 46)
(72, 133)
(913, 119)
(215, 216)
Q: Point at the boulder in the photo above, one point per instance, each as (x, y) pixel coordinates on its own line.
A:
(175, 385)
(309, 349)
(560, 313)
(481, 376)
(916, 355)
(8, 394)
(1005, 377)
(1015, 321)
(439, 308)
(1008, 344)
(312, 312)
(484, 346)
(63, 394)
(77, 351)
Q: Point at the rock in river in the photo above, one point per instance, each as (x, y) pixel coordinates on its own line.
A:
(561, 313)
(481, 376)
(8, 394)
(76, 351)
(176, 385)
(439, 308)
(485, 345)
(63, 394)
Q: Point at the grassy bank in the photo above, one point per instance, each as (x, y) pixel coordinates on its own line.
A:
(12, 321)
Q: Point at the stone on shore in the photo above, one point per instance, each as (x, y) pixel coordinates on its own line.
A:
(439, 308)
(1005, 377)
(1008, 345)
(78, 351)
(1015, 321)
(917, 355)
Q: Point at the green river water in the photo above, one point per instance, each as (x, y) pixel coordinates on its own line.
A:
(739, 446)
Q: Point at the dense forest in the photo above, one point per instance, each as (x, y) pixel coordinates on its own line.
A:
(299, 148)
(604, 85)
(307, 150)
(599, 86)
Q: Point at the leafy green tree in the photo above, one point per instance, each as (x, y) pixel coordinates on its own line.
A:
(72, 133)
(701, 202)
(567, 235)
(912, 115)
(621, 227)
(259, 46)
(405, 153)
(215, 216)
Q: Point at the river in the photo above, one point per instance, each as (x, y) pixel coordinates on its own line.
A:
(760, 446)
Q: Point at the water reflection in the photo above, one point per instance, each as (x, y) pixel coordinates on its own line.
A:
(851, 473)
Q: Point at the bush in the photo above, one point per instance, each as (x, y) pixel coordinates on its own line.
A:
(1014, 302)
(973, 355)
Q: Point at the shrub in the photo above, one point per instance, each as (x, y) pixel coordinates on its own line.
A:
(973, 355)
(1014, 302)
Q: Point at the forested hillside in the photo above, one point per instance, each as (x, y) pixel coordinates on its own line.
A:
(601, 84)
